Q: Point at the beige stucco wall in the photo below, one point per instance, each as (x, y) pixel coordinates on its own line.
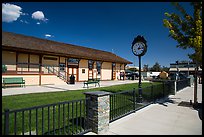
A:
(52, 79)
(22, 58)
(106, 70)
(29, 79)
(50, 62)
(34, 79)
(83, 64)
(62, 59)
(53, 63)
(34, 59)
(34, 68)
(9, 59)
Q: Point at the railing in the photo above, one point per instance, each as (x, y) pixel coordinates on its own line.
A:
(52, 70)
(126, 102)
(63, 118)
(154, 92)
(180, 84)
(70, 117)
(121, 104)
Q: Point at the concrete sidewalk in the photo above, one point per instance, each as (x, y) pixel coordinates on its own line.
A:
(58, 88)
(165, 118)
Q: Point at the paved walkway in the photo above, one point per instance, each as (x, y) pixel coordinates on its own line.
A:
(165, 118)
(56, 88)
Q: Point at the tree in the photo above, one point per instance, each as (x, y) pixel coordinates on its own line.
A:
(156, 67)
(164, 68)
(187, 29)
(146, 68)
(183, 61)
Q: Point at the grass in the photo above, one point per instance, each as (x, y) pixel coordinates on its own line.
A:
(36, 99)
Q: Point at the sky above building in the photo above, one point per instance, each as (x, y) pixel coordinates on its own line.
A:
(108, 26)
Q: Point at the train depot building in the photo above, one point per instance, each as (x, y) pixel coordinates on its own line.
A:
(41, 61)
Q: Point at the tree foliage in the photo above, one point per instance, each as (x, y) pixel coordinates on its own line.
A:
(156, 67)
(164, 68)
(187, 29)
(146, 68)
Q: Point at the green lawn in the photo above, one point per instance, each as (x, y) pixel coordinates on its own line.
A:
(30, 100)
(36, 99)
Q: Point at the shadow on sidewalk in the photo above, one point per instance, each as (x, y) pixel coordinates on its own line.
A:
(63, 89)
(199, 107)
(167, 100)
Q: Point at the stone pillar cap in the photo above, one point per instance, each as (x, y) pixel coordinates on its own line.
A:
(97, 93)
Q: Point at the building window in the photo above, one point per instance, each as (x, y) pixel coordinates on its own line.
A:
(98, 67)
(90, 64)
(73, 61)
(83, 71)
(62, 67)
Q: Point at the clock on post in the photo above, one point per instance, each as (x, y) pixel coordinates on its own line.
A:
(139, 48)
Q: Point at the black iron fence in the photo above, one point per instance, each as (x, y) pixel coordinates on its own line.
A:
(126, 102)
(180, 84)
(64, 118)
(70, 117)
(121, 104)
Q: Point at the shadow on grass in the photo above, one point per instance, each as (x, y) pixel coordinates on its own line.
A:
(75, 126)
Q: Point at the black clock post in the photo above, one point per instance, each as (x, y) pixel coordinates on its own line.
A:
(140, 84)
(139, 48)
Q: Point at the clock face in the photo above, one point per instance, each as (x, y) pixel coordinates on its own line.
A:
(139, 48)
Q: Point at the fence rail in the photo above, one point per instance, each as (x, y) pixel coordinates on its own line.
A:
(70, 117)
(126, 102)
(63, 118)
(180, 84)
(121, 104)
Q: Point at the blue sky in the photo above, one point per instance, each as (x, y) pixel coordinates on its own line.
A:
(108, 26)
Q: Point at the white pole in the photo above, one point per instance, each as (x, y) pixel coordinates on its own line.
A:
(188, 68)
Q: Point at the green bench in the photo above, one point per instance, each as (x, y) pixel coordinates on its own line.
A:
(92, 81)
(13, 80)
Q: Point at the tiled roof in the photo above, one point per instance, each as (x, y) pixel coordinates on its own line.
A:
(37, 45)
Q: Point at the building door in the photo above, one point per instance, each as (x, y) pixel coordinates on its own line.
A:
(113, 71)
(72, 70)
(72, 65)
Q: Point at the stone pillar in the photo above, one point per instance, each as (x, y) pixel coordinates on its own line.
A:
(98, 111)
